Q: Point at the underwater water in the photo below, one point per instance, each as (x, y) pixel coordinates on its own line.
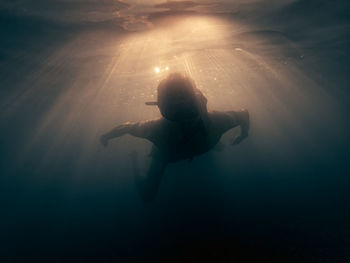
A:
(279, 196)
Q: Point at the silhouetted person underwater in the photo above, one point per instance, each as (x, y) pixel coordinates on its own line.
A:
(186, 129)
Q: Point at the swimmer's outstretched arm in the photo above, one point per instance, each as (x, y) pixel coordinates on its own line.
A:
(138, 129)
(223, 121)
(241, 117)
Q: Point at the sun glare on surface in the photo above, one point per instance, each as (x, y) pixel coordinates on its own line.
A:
(159, 69)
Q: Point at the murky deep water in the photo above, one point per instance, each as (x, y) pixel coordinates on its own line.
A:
(280, 196)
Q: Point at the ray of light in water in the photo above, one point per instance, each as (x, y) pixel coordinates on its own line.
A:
(98, 80)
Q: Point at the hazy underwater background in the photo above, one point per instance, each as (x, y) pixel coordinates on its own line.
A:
(72, 70)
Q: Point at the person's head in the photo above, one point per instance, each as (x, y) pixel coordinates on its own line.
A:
(177, 98)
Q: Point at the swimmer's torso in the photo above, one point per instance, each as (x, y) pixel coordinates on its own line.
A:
(179, 141)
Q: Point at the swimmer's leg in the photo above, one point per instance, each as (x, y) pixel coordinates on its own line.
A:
(148, 185)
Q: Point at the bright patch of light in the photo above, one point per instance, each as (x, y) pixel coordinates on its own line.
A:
(161, 69)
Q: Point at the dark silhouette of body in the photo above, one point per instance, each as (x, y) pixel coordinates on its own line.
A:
(184, 136)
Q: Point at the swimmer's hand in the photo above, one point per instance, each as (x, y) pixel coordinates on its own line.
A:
(104, 140)
(239, 139)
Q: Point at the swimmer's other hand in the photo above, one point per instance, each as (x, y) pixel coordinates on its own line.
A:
(104, 140)
(238, 139)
